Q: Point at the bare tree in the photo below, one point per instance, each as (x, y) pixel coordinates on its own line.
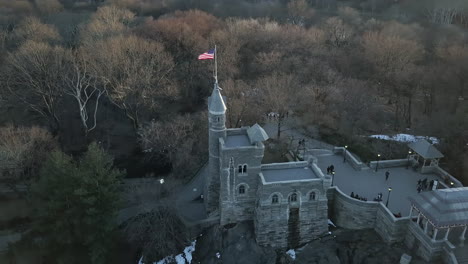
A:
(83, 87)
(34, 74)
(134, 71)
(338, 32)
(180, 140)
(22, 151)
(240, 99)
(159, 233)
(108, 21)
(393, 57)
(278, 93)
(31, 28)
(456, 57)
(299, 11)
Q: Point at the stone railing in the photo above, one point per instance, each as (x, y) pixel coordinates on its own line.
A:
(351, 213)
(285, 165)
(236, 131)
(445, 176)
(355, 163)
(388, 163)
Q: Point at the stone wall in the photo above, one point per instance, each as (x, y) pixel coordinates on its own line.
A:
(424, 246)
(390, 228)
(236, 207)
(350, 213)
(271, 220)
(353, 161)
(389, 163)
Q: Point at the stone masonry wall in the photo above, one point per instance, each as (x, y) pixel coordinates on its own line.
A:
(390, 228)
(236, 207)
(350, 213)
(271, 220)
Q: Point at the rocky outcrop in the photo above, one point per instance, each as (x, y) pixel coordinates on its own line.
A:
(237, 245)
(231, 245)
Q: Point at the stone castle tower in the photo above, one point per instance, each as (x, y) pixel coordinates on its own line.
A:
(216, 131)
(287, 201)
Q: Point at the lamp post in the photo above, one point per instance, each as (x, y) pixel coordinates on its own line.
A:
(344, 153)
(333, 177)
(388, 197)
(377, 165)
(407, 164)
(451, 184)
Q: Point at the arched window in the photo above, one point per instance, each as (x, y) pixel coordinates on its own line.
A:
(312, 196)
(242, 189)
(274, 199)
(240, 168)
(293, 197)
(244, 170)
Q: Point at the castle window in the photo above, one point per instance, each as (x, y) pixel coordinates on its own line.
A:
(274, 199)
(242, 169)
(312, 196)
(217, 119)
(293, 197)
(242, 189)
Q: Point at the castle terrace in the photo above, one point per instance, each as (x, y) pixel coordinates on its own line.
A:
(288, 174)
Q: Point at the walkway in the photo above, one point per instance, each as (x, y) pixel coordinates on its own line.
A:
(184, 199)
(366, 183)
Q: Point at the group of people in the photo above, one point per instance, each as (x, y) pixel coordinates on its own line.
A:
(330, 169)
(423, 185)
(356, 196)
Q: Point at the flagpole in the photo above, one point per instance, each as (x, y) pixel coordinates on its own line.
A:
(216, 65)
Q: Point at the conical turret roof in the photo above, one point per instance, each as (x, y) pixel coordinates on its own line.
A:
(216, 103)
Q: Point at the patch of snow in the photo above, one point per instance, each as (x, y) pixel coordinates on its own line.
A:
(166, 260)
(406, 138)
(188, 251)
(331, 223)
(291, 253)
(218, 255)
(180, 259)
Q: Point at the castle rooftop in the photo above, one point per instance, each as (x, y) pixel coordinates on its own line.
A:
(444, 207)
(281, 173)
(233, 141)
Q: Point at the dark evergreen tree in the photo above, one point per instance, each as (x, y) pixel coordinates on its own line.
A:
(77, 203)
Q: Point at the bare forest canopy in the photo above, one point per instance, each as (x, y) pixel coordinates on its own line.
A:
(124, 73)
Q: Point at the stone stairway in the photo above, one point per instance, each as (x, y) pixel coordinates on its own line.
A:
(461, 253)
(293, 228)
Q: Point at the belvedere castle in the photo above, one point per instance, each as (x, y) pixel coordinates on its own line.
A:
(287, 201)
(291, 203)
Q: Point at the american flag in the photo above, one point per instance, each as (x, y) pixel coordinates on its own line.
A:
(207, 55)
